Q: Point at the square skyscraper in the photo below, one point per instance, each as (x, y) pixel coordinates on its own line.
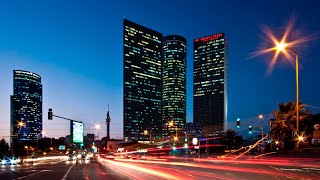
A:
(142, 82)
(210, 82)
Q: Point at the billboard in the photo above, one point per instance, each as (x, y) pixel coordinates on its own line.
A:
(194, 128)
(62, 147)
(76, 132)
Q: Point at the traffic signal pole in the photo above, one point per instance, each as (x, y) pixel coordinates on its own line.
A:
(50, 117)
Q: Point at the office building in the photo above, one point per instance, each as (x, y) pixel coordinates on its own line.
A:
(210, 82)
(26, 106)
(142, 82)
(174, 84)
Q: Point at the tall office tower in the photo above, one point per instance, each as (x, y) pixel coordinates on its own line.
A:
(26, 106)
(142, 100)
(210, 82)
(174, 84)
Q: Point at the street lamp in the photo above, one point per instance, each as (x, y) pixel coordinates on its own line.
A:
(175, 138)
(261, 117)
(171, 124)
(21, 124)
(26, 147)
(145, 132)
(283, 47)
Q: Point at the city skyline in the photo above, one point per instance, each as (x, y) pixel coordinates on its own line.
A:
(80, 65)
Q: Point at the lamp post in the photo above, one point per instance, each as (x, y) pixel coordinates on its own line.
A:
(145, 132)
(26, 147)
(282, 47)
(261, 117)
(171, 124)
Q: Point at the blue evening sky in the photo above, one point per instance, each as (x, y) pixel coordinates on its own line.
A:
(76, 47)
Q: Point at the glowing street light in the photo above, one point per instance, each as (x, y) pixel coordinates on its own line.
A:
(260, 116)
(175, 138)
(21, 124)
(97, 127)
(171, 123)
(283, 47)
(145, 132)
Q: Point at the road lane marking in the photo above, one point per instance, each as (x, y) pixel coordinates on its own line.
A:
(32, 174)
(67, 173)
(312, 169)
(290, 169)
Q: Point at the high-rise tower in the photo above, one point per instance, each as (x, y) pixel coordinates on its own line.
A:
(210, 82)
(174, 84)
(26, 106)
(142, 82)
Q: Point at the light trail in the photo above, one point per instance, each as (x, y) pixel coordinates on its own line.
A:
(149, 170)
(219, 167)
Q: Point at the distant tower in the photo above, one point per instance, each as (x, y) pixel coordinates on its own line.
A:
(108, 121)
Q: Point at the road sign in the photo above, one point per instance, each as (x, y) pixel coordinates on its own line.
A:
(194, 128)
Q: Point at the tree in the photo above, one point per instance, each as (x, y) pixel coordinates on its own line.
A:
(4, 147)
(285, 120)
(232, 139)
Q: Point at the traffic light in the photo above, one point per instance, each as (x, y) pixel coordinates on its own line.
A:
(250, 129)
(50, 114)
(238, 123)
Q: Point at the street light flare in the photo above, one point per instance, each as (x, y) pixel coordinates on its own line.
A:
(145, 132)
(260, 116)
(280, 46)
(97, 126)
(171, 124)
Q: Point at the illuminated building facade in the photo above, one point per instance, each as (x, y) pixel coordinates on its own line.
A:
(210, 82)
(142, 82)
(174, 84)
(26, 106)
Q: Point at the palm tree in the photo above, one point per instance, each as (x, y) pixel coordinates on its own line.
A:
(232, 139)
(285, 120)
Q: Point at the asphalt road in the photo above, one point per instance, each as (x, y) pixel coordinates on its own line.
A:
(261, 169)
(58, 170)
(164, 168)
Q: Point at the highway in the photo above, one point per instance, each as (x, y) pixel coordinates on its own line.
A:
(166, 168)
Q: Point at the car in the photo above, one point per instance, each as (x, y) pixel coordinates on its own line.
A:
(11, 161)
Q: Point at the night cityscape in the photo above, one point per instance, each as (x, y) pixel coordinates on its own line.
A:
(159, 90)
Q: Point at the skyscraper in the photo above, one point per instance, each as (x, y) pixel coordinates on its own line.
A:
(142, 82)
(26, 106)
(210, 82)
(174, 83)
